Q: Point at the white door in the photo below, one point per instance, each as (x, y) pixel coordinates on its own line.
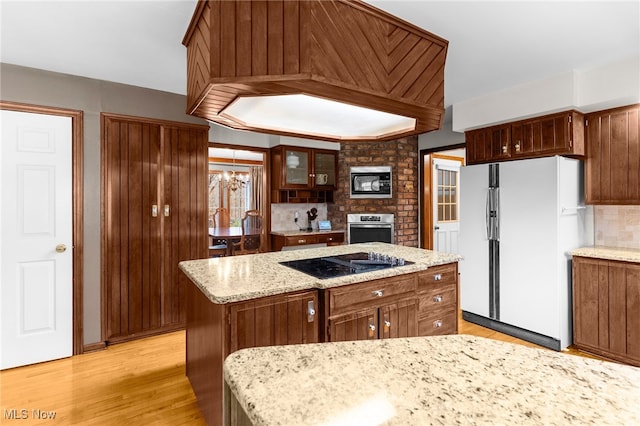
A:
(446, 218)
(36, 233)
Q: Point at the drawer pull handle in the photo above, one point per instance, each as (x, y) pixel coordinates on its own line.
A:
(302, 241)
(437, 277)
(437, 299)
(377, 293)
(437, 324)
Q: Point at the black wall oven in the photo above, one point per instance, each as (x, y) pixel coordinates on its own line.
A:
(370, 182)
(367, 228)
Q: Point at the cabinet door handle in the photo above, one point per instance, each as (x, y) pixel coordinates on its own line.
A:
(387, 323)
(437, 299)
(372, 329)
(437, 324)
(311, 311)
(517, 146)
(167, 210)
(504, 149)
(377, 293)
(437, 277)
(302, 241)
(154, 210)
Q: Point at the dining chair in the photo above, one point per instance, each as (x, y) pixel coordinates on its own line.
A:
(218, 247)
(253, 234)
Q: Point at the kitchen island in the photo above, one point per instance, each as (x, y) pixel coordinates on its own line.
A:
(249, 301)
(455, 379)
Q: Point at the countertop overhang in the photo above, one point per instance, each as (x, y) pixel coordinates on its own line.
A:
(239, 278)
(456, 379)
(609, 253)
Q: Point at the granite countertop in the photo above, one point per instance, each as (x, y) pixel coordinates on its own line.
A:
(238, 278)
(456, 379)
(609, 253)
(305, 232)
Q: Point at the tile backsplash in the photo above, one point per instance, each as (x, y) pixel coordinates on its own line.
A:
(282, 215)
(617, 226)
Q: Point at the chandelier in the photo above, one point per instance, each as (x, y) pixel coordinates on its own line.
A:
(234, 181)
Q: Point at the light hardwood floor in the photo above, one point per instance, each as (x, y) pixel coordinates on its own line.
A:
(141, 382)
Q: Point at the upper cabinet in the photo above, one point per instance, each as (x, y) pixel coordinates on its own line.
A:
(555, 134)
(613, 156)
(303, 174)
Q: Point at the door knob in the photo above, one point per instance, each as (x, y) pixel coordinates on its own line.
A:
(61, 248)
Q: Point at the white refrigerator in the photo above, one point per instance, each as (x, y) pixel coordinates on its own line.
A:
(518, 222)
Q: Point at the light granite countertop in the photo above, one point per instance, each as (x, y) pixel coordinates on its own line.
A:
(455, 379)
(238, 278)
(609, 253)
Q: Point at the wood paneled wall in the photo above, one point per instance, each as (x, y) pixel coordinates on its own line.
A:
(147, 163)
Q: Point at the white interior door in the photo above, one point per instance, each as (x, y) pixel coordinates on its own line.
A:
(446, 196)
(36, 232)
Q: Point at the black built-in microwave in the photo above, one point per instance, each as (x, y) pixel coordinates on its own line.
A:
(371, 182)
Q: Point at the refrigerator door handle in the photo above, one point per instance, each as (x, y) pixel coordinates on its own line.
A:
(487, 214)
(496, 233)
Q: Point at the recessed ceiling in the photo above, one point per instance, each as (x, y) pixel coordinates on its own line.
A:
(492, 45)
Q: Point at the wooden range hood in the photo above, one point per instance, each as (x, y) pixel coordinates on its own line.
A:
(345, 51)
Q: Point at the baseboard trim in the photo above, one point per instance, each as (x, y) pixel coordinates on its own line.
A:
(512, 330)
(94, 347)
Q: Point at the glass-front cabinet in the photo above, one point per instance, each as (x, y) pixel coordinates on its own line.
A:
(303, 175)
(306, 168)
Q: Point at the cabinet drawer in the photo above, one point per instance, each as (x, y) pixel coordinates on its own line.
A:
(437, 323)
(437, 298)
(357, 296)
(329, 239)
(300, 240)
(438, 275)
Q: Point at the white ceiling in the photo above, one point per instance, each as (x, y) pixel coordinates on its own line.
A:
(492, 45)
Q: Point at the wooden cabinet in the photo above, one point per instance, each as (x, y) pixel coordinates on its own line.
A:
(438, 300)
(303, 174)
(612, 167)
(155, 215)
(329, 238)
(373, 310)
(554, 134)
(277, 320)
(606, 308)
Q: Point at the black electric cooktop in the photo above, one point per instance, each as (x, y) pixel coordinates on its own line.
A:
(344, 264)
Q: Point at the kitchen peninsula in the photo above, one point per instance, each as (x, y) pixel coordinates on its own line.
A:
(454, 379)
(254, 300)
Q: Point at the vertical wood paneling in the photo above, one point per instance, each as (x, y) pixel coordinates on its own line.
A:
(275, 38)
(605, 158)
(134, 221)
(603, 306)
(150, 163)
(243, 38)
(215, 57)
(259, 35)
(228, 49)
(124, 228)
(291, 37)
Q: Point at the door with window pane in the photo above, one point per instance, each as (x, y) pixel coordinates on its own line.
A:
(446, 177)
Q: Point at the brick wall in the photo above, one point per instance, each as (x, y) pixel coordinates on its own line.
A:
(402, 156)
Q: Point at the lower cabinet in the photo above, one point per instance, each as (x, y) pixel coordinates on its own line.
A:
(393, 320)
(330, 238)
(438, 300)
(606, 308)
(276, 320)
